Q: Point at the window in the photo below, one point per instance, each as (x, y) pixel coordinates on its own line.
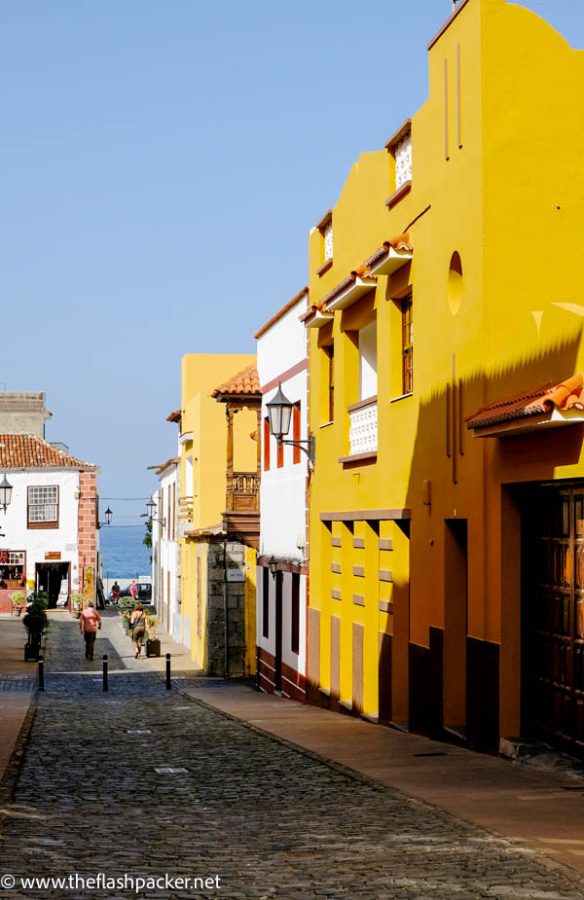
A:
(43, 507)
(368, 361)
(402, 152)
(325, 229)
(407, 346)
(295, 624)
(296, 432)
(266, 602)
(327, 236)
(266, 444)
(330, 381)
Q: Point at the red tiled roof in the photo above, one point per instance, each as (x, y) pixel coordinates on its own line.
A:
(26, 451)
(568, 394)
(245, 382)
(174, 416)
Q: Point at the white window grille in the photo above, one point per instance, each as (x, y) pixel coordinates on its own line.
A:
(363, 429)
(43, 504)
(328, 242)
(403, 160)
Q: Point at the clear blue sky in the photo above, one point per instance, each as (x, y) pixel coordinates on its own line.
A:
(162, 163)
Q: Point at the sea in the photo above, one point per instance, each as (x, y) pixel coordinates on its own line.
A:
(123, 553)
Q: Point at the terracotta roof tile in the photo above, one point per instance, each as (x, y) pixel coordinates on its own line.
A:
(174, 416)
(244, 382)
(568, 394)
(399, 242)
(26, 451)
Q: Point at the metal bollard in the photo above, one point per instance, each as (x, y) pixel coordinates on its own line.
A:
(41, 671)
(105, 679)
(168, 671)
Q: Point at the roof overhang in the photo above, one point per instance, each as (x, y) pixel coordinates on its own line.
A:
(318, 318)
(353, 292)
(391, 261)
(555, 418)
(185, 437)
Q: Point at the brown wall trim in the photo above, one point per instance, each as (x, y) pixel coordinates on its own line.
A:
(385, 575)
(401, 192)
(284, 376)
(398, 134)
(358, 459)
(361, 404)
(359, 571)
(324, 268)
(336, 568)
(359, 599)
(364, 515)
(359, 543)
(336, 594)
(336, 542)
(385, 606)
(385, 544)
(284, 565)
(303, 294)
(447, 23)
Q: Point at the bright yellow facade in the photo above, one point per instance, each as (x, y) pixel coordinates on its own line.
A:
(203, 444)
(415, 559)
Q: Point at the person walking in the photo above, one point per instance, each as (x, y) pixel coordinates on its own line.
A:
(89, 624)
(134, 590)
(138, 627)
(115, 592)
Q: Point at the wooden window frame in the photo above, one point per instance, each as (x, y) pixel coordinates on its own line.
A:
(407, 344)
(267, 438)
(266, 602)
(295, 614)
(296, 429)
(329, 351)
(54, 523)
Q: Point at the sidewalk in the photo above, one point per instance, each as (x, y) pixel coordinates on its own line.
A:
(541, 809)
(16, 680)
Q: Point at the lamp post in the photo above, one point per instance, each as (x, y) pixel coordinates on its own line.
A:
(280, 415)
(108, 517)
(151, 508)
(5, 496)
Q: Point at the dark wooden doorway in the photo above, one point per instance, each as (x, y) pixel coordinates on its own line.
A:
(553, 616)
(278, 635)
(455, 625)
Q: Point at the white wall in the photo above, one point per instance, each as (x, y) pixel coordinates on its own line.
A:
(165, 556)
(368, 361)
(282, 492)
(39, 541)
(296, 661)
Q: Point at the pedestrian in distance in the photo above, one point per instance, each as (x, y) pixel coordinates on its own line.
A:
(89, 624)
(138, 627)
(115, 592)
(134, 590)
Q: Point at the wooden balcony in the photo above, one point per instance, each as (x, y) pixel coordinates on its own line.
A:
(242, 515)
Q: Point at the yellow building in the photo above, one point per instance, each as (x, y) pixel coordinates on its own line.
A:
(446, 529)
(217, 568)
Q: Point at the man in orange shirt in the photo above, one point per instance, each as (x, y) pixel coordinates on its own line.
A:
(89, 622)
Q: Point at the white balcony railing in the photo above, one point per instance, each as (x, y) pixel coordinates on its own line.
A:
(363, 427)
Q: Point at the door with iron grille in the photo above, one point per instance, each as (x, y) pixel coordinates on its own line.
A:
(553, 617)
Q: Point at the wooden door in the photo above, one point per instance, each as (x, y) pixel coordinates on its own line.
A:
(553, 617)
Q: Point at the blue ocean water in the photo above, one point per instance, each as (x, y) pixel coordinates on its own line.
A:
(123, 553)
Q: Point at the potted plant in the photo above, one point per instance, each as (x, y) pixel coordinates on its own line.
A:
(76, 603)
(18, 602)
(35, 621)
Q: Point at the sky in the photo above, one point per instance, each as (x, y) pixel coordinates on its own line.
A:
(162, 162)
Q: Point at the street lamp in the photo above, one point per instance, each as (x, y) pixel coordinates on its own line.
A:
(151, 508)
(108, 517)
(273, 567)
(280, 415)
(5, 493)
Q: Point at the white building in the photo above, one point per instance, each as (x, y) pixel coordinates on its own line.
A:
(282, 561)
(49, 531)
(165, 548)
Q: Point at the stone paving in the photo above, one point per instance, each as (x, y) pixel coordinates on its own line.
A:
(269, 820)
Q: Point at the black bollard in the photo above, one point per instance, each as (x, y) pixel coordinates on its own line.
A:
(41, 673)
(105, 681)
(168, 671)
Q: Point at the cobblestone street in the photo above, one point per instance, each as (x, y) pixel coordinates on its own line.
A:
(270, 821)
